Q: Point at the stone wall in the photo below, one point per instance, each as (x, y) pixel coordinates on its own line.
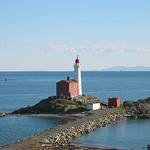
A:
(75, 131)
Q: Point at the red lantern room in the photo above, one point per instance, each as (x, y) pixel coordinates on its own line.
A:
(77, 60)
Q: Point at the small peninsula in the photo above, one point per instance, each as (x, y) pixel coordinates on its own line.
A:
(54, 105)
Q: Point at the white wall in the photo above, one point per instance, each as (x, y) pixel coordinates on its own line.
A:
(96, 106)
(91, 106)
(77, 77)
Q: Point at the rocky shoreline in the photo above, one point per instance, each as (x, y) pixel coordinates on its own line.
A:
(138, 109)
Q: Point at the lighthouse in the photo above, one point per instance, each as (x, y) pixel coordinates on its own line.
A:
(71, 87)
(77, 74)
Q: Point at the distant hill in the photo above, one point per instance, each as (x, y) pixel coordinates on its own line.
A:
(123, 68)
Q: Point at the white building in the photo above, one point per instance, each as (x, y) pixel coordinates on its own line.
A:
(93, 104)
(77, 75)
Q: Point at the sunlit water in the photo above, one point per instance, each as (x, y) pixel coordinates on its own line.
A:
(125, 133)
(13, 128)
(28, 88)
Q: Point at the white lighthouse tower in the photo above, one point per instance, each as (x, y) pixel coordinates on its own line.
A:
(77, 75)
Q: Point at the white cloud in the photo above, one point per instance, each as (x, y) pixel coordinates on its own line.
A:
(111, 48)
(2, 44)
(67, 48)
(31, 49)
(57, 47)
(101, 49)
(72, 50)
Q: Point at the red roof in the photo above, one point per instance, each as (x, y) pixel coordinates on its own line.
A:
(77, 60)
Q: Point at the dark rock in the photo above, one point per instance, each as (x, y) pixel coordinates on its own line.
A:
(3, 115)
(52, 105)
(139, 108)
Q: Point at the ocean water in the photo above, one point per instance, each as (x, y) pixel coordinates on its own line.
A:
(13, 128)
(123, 134)
(28, 88)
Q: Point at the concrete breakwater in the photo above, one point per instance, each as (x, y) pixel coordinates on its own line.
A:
(65, 133)
(76, 131)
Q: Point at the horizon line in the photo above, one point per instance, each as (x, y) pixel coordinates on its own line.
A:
(73, 70)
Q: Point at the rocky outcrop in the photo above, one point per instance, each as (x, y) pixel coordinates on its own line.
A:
(85, 98)
(140, 108)
(53, 105)
(3, 115)
(59, 105)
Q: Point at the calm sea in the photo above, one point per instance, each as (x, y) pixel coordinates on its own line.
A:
(28, 88)
(123, 134)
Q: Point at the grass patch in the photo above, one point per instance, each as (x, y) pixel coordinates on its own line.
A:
(121, 108)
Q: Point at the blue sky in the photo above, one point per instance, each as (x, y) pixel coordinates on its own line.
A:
(48, 34)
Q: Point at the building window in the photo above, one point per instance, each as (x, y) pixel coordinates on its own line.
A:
(71, 85)
(75, 92)
(75, 85)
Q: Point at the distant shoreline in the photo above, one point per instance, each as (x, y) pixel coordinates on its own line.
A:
(81, 71)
